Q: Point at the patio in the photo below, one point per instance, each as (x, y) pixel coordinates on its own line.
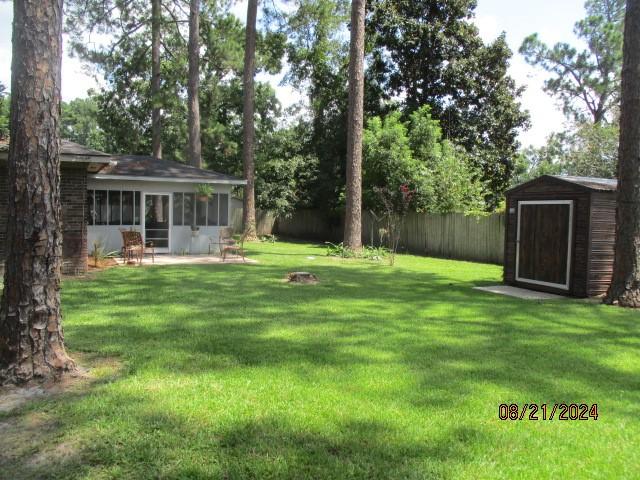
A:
(168, 259)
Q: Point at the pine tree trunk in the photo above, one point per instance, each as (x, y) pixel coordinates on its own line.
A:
(156, 114)
(31, 338)
(248, 161)
(625, 286)
(353, 214)
(193, 84)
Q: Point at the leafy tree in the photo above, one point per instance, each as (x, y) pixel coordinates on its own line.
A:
(416, 155)
(317, 55)
(546, 160)
(284, 172)
(593, 150)
(355, 123)
(80, 123)
(587, 82)
(586, 150)
(429, 52)
(31, 338)
(625, 284)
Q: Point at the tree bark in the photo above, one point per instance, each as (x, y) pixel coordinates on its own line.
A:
(248, 160)
(625, 285)
(156, 112)
(31, 337)
(193, 84)
(353, 214)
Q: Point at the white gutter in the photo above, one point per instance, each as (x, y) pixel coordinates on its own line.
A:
(99, 176)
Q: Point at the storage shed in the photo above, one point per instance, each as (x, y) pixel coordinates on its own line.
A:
(560, 235)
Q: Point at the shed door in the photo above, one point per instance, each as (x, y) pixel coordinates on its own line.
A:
(545, 235)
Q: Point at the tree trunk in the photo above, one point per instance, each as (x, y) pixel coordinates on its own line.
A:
(156, 113)
(625, 285)
(353, 214)
(31, 338)
(248, 161)
(195, 146)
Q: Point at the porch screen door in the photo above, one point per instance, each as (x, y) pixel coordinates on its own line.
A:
(157, 221)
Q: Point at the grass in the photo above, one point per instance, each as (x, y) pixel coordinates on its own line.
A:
(376, 372)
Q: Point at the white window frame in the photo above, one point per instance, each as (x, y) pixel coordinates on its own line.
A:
(567, 284)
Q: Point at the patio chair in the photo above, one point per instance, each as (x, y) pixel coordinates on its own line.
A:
(229, 245)
(134, 248)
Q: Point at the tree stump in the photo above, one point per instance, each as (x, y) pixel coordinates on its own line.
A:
(302, 277)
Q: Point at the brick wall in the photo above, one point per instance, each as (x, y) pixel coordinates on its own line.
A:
(73, 191)
(73, 196)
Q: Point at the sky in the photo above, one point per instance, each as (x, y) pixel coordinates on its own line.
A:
(553, 20)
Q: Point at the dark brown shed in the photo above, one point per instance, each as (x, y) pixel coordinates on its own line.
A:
(560, 235)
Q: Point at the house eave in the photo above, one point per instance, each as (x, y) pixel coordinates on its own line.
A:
(168, 180)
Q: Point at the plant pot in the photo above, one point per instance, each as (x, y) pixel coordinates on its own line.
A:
(195, 232)
(202, 198)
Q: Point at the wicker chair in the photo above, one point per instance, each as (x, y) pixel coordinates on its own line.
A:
(134, 248)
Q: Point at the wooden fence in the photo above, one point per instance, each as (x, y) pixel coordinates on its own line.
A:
(452, 235)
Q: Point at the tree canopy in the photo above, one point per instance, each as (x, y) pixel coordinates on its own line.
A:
(415, 154)
(429, 52)
(418, 53)
(585, 81)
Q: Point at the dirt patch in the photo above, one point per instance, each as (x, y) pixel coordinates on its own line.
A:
(90, 369)
(302, 277)
(101, 264)
(34, 442)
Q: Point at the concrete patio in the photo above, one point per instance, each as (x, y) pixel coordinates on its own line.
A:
(521, 293)
(168, 259)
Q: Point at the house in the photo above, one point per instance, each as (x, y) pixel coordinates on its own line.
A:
(560, 235)
(103, 193)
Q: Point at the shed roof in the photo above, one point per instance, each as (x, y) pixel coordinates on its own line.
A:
(589, 183)
(594, 183)
(143, 167)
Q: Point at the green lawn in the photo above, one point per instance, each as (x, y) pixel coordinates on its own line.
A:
(376, 372)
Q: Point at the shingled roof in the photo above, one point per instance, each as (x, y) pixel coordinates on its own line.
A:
(69, 149)
(589, 183)
(593, 183)
(142, 167)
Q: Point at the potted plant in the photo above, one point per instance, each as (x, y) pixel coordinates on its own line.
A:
(195, 230)
(204, 191)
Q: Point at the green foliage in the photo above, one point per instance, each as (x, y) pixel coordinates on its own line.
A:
(124, 105)
(587, 82)
(340, 250)
(593, 150)
(429, 52)
(414, 154)
(317, 56)
(368, 252)
(80, 123)
(99, 253)
(204, 190)
(5, 107)
(271, 238)
(285, 172)
(588, 150)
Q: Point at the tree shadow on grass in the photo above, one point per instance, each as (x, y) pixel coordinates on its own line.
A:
(162, 444)
(445, 341)
(434, 324)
